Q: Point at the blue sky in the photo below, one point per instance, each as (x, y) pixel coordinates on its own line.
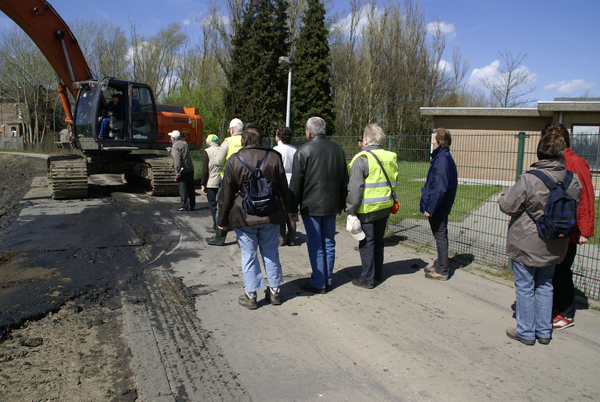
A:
(561, 39)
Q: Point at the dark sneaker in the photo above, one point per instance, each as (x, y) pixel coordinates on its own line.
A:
(429, 269)
(561, 322)
(361, 283)
(510, 332)
(543, 341)
(436, 276)
(182, 209)
(212, 242)
(307, 287)
(379, 278)
(273, 297)
(329, 288)
(249, 303)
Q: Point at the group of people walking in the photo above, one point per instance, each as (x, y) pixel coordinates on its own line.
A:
(315, 182)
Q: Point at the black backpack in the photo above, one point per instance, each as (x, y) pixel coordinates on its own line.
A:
(259, 195)
(560, 212)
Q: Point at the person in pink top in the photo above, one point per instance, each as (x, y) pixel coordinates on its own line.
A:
(563, 315)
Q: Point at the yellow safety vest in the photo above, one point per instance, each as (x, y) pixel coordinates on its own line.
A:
(377, 194)
(234, 144)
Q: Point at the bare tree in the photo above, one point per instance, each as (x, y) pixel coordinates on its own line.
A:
(29, 82)
(154, 59)
(220, 28)
(509, 87)
(460, 67)
(104, 47)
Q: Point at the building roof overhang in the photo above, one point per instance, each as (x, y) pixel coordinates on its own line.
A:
(544, 108)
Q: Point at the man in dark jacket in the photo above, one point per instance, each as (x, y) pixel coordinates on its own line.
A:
(437, 198)
(184, 170)
(318, 188)
(254, 231)
(113, 109)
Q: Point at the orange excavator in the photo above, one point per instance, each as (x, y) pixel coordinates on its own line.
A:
(141, 124)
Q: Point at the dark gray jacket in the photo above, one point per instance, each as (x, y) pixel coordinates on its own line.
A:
(319, 178)
(523, 244)
(182, 157)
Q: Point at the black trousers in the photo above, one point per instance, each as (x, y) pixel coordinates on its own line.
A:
(564, 289)
(439, 228)
(187, 190)
(371, 250)
(291, 230)
(211, 196)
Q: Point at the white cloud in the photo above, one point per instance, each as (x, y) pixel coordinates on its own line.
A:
(444, 27)
(444, 66)
(568, 87)
(361, 20)
(186, 22)
(492, 73)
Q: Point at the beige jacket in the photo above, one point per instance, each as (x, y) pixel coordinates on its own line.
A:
(214, 177)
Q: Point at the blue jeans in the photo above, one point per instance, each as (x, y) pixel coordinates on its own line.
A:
(265, 237)
(104, 127)
(533, 287)
(320, 241)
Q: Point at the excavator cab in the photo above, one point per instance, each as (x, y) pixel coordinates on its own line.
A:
(135, 126)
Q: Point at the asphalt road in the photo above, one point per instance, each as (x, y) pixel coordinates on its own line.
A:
(408, 339)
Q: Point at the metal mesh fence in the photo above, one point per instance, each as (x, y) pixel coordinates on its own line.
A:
(487, 164)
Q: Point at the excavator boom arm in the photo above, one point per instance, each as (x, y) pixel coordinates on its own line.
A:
(53, 37)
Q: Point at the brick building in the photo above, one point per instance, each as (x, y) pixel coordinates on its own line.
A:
(11, 123)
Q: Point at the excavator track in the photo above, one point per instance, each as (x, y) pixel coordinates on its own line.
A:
(161, 175)
(68, 177)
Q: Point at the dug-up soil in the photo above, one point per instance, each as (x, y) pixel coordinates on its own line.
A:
(77, 353)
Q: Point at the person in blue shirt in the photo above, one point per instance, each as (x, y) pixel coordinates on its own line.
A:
(437, 198)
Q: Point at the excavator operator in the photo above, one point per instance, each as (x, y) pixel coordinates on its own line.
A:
(114, 108)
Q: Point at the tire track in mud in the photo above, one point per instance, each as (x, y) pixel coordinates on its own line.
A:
(163, 326)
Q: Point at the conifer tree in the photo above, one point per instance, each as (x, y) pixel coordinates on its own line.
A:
(257, 88)
(311, 87)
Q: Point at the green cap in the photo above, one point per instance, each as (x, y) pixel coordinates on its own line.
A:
(212, 138)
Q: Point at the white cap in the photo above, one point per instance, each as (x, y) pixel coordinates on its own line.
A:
(353, 226)
(175, 134)
(236, 123)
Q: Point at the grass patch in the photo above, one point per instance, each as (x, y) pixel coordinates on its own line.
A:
(197, 170)
(411, 179)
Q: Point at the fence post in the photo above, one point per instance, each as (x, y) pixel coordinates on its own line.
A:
(390, 142)
(520, 155)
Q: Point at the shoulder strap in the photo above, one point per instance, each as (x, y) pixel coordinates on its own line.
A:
(568, 179)
(385, 173)
(264, 161)
(241, 158)
(262, 166)
(544, 178)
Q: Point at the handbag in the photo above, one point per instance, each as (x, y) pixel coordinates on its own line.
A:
(394, 208)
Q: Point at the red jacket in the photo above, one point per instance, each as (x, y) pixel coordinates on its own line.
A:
(585, 210)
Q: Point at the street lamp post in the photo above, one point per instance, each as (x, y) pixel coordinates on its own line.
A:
(289, 61)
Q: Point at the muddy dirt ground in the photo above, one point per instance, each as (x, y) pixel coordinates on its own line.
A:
(72, 350)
